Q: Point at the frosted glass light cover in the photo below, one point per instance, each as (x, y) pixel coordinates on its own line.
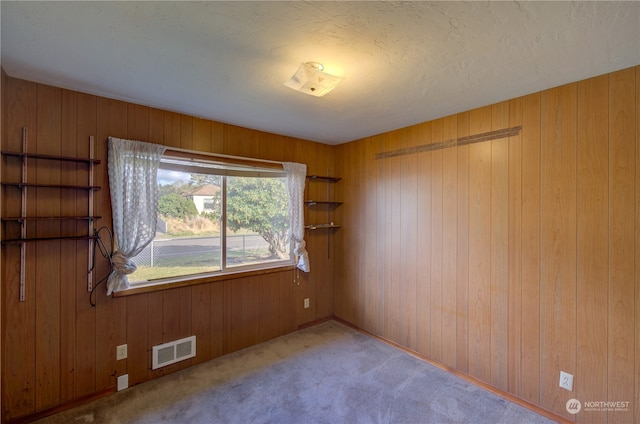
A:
(312, 81)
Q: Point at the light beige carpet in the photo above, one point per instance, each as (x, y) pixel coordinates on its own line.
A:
(328, 373)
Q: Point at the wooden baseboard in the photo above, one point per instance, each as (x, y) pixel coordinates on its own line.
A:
(56, 409)
(316, 322)
(525, 404)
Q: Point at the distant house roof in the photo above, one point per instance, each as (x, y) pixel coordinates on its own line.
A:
(207, 190)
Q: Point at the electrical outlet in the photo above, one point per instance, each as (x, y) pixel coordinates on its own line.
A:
(306, 303)
(566, 381)
(121, 352)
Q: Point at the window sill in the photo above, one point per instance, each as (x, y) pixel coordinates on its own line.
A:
(191, 281)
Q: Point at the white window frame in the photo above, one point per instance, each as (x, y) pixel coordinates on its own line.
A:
(223, 169)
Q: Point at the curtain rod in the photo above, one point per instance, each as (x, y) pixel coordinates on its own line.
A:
(220, 155)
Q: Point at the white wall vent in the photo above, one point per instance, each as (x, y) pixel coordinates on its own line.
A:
(175, 351)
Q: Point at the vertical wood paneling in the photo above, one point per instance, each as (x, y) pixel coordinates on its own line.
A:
(409, 242)
(85, 314)
(462, 255)
(186, 132)
(156, 131)
(592, 244)
(202, 135)
(480, 248)
(531, 248)
(69, 275)
(185, 320)
(558, 242)
(437, 283)
(345, 294)
(232, 140)
(267, 322)
(47, 266)
(449, 242)
(19, 343)
(171, 129)
(373, 307)
(137, 122)
(251, 307)
(393, 188)
(201, 321)
(137, 361)
(111, 313)
(423, 289)
(514, 301)
(499, 287)
(622, 188)
(170, 322)
(137, 306)
(380, 233)
(155, 334)
(218, 336)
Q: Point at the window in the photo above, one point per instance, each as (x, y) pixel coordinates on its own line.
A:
(215, 217)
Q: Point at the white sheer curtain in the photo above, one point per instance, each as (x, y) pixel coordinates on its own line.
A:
(296, 177)
(133, 171)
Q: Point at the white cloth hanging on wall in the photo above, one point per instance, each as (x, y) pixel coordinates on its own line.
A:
(296, 177)
(133, 174)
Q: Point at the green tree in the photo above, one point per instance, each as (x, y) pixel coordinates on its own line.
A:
(174, 205)
(260, 205)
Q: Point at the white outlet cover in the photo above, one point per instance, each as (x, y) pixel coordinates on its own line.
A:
(566, 381)
(121, 352)
(123, 382)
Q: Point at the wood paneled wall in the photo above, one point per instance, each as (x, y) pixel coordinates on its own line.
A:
(511, 259)
(56, 348)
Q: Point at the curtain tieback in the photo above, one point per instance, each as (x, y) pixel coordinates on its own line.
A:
(122, 264)
(299, 247)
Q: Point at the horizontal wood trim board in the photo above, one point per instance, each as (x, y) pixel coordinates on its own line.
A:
(461, 141)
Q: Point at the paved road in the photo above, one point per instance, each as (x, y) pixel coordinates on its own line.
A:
(190, 246)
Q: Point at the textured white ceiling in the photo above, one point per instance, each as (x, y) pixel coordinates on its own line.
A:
(403, 62)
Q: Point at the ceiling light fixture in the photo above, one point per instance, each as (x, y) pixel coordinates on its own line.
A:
(310, 79)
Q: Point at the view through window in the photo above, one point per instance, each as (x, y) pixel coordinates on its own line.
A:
(215, 217)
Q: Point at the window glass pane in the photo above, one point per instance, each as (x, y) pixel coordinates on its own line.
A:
(257, 221)
(190, 215)
(188, 234)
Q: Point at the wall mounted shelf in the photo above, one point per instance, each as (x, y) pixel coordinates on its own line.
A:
(321, 226)
(321, 202)
(63, 186)
(24, 185)
(327, 204)
(51, 218)
(32, 239)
